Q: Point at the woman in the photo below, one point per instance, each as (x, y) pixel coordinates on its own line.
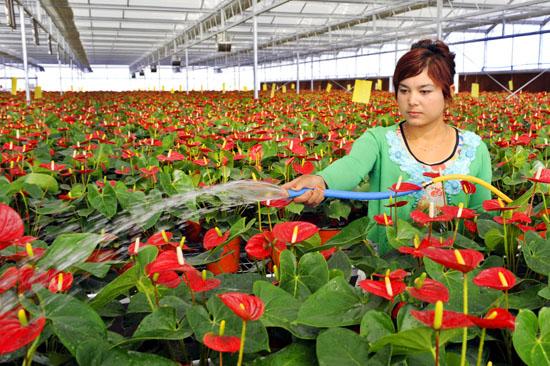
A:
(422, 143)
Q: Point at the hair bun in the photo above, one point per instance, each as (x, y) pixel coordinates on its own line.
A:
(437, 47)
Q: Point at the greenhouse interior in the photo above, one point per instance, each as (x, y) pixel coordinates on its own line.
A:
(274, 182)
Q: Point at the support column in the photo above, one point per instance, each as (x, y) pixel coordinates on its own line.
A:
(186, 71)
(439, 16)
(255, 36)
(311, 85)
(297, 73)
(25, 63)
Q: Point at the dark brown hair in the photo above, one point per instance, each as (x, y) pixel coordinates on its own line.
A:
(433, 55)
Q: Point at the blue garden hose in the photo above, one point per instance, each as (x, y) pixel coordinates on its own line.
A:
(351, 195)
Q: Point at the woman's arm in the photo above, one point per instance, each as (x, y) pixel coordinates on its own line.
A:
(484, 172)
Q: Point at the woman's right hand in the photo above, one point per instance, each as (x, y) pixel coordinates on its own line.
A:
(313, 197)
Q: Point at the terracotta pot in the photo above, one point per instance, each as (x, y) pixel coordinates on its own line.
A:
(327, 234)
(230, 263)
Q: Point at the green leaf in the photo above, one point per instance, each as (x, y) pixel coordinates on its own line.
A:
(161, 324)
(294, 208)
(73, 321)
(536, 252)
(340, 261)
(290, 279)
(100, 353)
(404, 235)
(531, 338)
(355, 232)
(339, 346)
(99, 270)
(484, 226)
(44, 181)
(493, 239)
(120, 285)
(335, 304)
(295, 354)
(409, 341)
(375, 325)
(338, 210)
(281, 310)
(68, 250)
(104, 202)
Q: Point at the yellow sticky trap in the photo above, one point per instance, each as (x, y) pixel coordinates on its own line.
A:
(378, 85)
(180, 88)
(172, 91)
(223, 87)
(13, 86)
(511, 85)
(348, 87)
(329, 87)
(362, 91)
(264, 87)
(245, 88)
(475, 90)
(438, 315)
(294, 234)
(38, 92)
(283, 88)
(292, 86)
(459, 258)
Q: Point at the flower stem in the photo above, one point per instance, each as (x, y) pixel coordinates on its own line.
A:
(27, 361)
(437, 348)
(259, 216)
(480, 350)
(465, 331)
(241, 350)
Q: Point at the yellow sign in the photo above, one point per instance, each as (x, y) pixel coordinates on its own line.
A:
(361, 91)
(264, 87)
(13, 86)
(329, 87)
(284, 88)
(38, 92)
(348, 87)
(511, 85)
(273, 87)
(292, 86)
(475, 90)
(378, 84)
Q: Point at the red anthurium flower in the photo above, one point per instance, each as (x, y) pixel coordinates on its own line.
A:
(53, 166)
(517, 218)
(541, 176)
(277, 203)
(17, 331)
(294, 231)
(429, 290)
(150, 172)
(396, 308)
(497, 277)
(306, 167)
(383, 219)
(431, 174)
(8, 279)
(167, 260)
(198, 282)
(496, 205)
(61, 282)
(171, 156)
(397, 204)
(450, 319)
(432, 241)
(169, 279)
(463, 260)
(221, 343)
(471, 226)
(404, 186)
(327, 253)
(467, 187)
(496, 318)
(214, 237)
(424, 219)
(387, 289)
(247, 307)
(11, 225)
(261, 246)
(458, 212)
(398, 274)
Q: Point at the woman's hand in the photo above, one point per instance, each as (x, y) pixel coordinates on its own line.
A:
(313, 197)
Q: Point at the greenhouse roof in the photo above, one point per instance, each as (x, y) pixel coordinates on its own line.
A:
(219, 33)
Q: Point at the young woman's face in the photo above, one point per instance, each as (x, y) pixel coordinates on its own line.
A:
(420, 100)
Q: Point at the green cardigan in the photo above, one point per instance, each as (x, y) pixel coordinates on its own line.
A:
(381, 155)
